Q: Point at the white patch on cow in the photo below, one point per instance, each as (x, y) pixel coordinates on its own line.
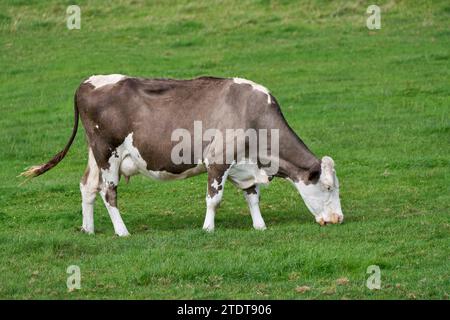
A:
(246, 174)
(136, 164)
(206, 162)
(88, 193)
(253, 204)
(127, 167)
(255, 86)
(119, 226)
(96, 126)
(215, 184)
(100, 80)
(111, 177)
(213, 202)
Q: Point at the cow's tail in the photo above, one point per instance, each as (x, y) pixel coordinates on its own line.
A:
(35, 171)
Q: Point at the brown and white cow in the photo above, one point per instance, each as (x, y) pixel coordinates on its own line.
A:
(129, 124)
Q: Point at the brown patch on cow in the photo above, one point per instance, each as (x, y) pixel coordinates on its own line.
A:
(216, 172)
(111, 195)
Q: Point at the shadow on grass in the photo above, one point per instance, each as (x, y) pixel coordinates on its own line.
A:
(151, 221)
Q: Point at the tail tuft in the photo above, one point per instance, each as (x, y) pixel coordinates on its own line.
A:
(33, 171)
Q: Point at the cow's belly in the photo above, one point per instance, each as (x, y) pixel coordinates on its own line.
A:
(129, 167)
(244, 174)
(165, 175)
(132, 164)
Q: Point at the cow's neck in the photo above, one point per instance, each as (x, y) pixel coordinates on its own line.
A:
(296, 160)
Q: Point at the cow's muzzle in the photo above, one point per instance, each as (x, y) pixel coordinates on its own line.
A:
(333, 218)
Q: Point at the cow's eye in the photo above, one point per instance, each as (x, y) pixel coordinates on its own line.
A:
(326, 187)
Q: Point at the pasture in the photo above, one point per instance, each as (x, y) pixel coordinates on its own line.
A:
(377, 101)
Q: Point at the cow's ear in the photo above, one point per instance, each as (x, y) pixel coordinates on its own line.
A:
(327, 176)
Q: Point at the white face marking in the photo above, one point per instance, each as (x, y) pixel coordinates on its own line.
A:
(255, 86)
(96, 126)
(322, 200)
(102, 80)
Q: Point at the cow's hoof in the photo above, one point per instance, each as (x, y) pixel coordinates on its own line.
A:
(87, 231)
(260, 227)
(208, 228)
(124, 233)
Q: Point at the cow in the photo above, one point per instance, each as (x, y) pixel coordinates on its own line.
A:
(129, 124)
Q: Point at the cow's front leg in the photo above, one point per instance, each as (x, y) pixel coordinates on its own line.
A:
(252, 196)
(217, 175)
(108, 192)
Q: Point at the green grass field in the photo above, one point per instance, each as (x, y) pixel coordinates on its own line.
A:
(376, 101)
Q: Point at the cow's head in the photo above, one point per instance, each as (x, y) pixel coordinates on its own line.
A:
(321, 193)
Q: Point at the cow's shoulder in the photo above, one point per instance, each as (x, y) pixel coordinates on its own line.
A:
(253, 87)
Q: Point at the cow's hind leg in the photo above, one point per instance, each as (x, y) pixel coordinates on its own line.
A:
(217, 175)
(110, 180)
(252, 196)
(89, 186)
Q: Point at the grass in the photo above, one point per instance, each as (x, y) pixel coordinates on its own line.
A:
(376, 101)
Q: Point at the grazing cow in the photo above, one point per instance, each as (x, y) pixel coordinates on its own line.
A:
(130, 122)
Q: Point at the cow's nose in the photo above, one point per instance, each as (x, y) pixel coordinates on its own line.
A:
(334, 218)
